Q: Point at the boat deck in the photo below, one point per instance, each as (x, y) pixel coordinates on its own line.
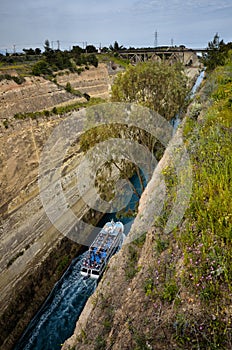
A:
(102, 248)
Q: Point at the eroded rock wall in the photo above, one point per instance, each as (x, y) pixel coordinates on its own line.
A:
(37, 94)
(31, 248)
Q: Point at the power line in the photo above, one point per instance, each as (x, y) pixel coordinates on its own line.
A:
(156, 39)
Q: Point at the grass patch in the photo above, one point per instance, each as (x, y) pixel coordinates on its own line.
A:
(206, 236)
(59, 109)
(133, 254)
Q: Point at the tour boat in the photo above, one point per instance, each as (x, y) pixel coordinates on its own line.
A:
(103, 247)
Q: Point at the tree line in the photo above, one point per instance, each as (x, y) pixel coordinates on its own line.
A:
(55, 60)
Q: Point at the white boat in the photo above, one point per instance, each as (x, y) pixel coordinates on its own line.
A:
(103, 247)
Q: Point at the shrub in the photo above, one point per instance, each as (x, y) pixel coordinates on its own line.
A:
(41, 68)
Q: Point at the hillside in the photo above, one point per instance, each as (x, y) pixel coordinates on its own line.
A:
(173, 291)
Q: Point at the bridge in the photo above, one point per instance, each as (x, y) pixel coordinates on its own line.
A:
(172, 54)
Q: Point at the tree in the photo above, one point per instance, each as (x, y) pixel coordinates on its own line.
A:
(105, 49)
(215, 55)
(47, 47)
(77, 50)
(116, 47)
(37, 51)
(92, 59)
(90, 49)
(41, 68)
(29, 51)
(158, 86)
(68, 87)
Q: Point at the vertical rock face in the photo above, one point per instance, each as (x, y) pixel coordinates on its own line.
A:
(28, 239)
(33, 253)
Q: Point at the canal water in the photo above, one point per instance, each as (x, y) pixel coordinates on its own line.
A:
(175, 122)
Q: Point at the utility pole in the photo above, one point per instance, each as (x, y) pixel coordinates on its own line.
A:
(14, 48)
(58, 44)
(172, 42)
(156, 39)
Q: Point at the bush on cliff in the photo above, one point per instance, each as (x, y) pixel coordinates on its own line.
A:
(158, 86)
(41, 68)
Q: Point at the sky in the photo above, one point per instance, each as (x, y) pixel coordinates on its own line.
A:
(132, 23)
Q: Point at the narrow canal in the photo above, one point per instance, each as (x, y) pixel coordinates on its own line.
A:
(56, 320)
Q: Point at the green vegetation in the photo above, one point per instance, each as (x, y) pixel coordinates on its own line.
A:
(158, 86)
(205, 238)
(5, 123)
(217, 54)
(71, 90)
(17, 79)
(55, 60)
(113, 60)
(50, 61)
(59, 110)
(133, 250)
(170, 291)
(100, 343)
(63, 263)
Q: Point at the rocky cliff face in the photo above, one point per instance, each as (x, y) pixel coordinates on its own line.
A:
(33, 253)
(33, 95)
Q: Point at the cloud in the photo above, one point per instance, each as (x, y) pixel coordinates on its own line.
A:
(173, 7)
(132, 22)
